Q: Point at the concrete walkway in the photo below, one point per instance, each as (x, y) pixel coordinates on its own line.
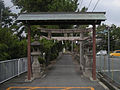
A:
(64, 75)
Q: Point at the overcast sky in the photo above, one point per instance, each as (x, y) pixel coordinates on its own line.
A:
(111, 7)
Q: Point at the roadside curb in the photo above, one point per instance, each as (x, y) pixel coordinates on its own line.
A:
(107, 82)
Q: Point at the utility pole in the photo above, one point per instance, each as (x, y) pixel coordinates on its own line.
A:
(108, 28)
(1, 17)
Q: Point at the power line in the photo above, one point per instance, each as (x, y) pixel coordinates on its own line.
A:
(95, 5)
(81, 3)
(89, 4)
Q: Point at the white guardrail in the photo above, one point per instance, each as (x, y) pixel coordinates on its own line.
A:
(12, 68)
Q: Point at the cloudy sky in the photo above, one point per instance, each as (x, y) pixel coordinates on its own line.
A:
(111, 7)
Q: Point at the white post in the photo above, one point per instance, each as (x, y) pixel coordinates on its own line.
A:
(18, 67)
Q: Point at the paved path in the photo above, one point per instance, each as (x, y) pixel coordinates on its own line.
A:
(64, 75)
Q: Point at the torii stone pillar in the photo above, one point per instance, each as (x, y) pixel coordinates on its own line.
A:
(72, 43)
(49, 35)
(65, 34)
(81, 52)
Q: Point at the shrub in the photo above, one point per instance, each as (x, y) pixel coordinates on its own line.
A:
(41, 60)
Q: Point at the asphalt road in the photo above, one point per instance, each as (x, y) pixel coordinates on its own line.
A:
(102, 65)
(64, 75)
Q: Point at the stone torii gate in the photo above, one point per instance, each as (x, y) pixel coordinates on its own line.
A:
(71, 38)
(53, 18)
(64, 31)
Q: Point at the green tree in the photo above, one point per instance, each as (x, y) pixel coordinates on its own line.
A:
(102, 33)
(6, 15)
(3, 52)
(1, 4)
(6, 41)
(46, 5)
(10, 46)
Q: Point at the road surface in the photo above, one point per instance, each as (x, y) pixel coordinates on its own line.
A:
(64, 75)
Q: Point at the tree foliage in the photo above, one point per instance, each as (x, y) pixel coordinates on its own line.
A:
(15, 46)
(2, 4)
(50, 48)
(6, 15)
(102, 32)
(10, 46)
(46, 5)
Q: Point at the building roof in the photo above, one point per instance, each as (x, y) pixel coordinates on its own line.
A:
(52, 18)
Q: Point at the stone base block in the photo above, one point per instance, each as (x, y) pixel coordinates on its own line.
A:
(26, 80)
